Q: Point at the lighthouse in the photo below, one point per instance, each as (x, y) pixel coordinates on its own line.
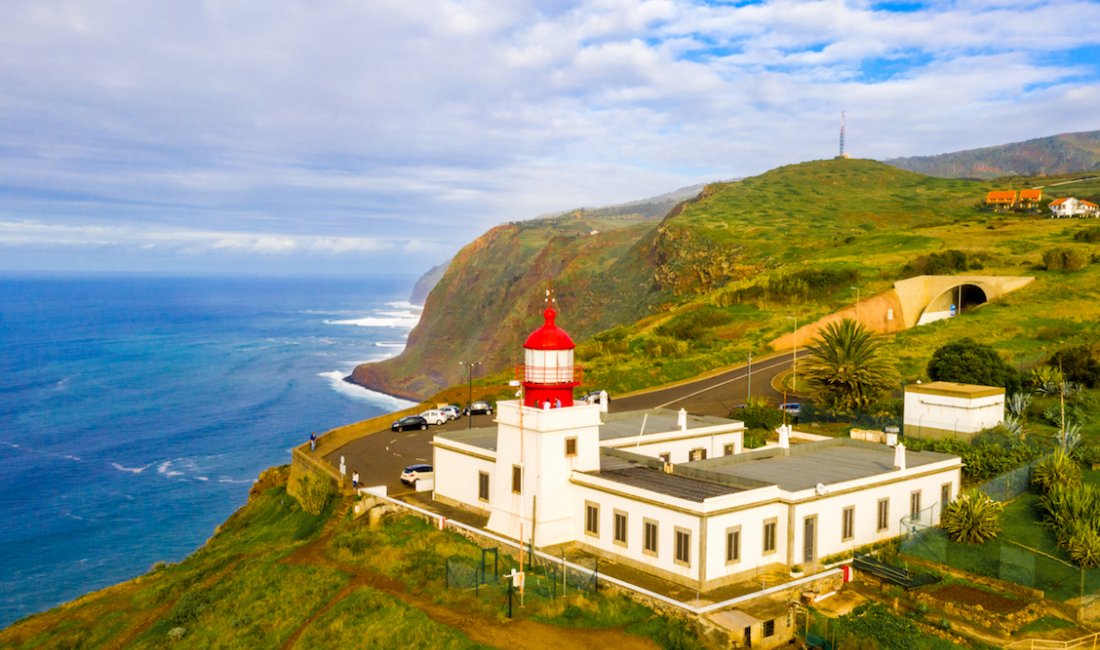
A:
(541, 440)
(548, 373)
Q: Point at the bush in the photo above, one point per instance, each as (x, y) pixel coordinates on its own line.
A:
(944, 263)
(1073, 515)
(972, 518)
(691, 325)
(755, 438)
(969, 362)
(759, 414)
(1065, 258)
(1077, 365)
(314, 492)
(1090, 235)
(1056, 469)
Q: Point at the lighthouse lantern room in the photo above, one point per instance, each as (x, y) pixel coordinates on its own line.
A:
(548, 373)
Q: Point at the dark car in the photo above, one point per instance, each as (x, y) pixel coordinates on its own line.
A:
(479, 408)
(409, 422)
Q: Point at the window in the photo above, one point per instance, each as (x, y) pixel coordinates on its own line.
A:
(483, 486)
(727, 450)
(848, 524)
(683, 546)
(769, 536)
(620, 528)
(769, 628)
(591, 518)
(733, 545)
(649, 537)
(570, 446)
(883, 514)
(517, 479)
(914, 504)
(697, 454)
(945, 496)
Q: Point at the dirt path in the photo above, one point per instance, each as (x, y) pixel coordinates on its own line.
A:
(516, 634)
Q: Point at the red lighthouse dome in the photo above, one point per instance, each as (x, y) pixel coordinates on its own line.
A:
(548, 373)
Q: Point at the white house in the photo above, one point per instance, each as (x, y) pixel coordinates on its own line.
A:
(675, 495)
(941, 409)
(1072, 207)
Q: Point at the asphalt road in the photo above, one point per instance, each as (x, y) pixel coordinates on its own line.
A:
(380, 457)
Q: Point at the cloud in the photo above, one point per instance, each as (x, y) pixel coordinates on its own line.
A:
(318, 129)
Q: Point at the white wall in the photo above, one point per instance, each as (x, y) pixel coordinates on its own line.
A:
(456, 476)
(679, 445)
(956, 414)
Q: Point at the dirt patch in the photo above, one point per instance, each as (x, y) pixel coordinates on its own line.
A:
(972, 596)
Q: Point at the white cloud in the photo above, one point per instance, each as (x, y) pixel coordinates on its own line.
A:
(322, 129)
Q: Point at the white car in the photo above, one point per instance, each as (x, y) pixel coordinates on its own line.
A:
(434, 416)
(414, 473)
(451, 411)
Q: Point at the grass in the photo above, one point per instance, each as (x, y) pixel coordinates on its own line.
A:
(1046, 624)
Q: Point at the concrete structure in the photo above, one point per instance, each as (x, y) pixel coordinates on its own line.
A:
(1072, 207)
(942, 408)
(676, 496)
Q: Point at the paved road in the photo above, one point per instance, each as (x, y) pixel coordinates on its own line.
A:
(379, 457)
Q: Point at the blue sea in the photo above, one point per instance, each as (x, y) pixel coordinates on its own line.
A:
(135, 412)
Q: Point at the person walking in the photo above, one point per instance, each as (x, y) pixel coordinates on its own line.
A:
(313, 441)
(355, 480)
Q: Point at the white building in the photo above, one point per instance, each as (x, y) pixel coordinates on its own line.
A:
(675, 495)
(941, 409)
(1073, 207)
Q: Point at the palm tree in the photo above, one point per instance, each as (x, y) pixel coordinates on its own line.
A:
(846, 367)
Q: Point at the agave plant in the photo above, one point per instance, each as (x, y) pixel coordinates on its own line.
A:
(972, 518)
(1018, 404)
(1056, 469)
(1083, 545)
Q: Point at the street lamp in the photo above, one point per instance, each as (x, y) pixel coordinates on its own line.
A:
(794, 355)
(857, 301)
(748, 395)
(470, 391)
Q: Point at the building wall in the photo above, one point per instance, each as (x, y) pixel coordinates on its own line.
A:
(960, 415)
(456, 477)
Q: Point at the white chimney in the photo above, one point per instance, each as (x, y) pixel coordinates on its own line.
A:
(784, 431)
(899, 456)
(682, 419)
(603, 401)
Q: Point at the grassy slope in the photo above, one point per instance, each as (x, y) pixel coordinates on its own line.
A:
(274, 576)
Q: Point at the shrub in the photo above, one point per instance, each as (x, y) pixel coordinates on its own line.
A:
(972, 518)
(969, 362)
(1065, 258)
(1090, 235)
(1077, 365)
(759, 414)
(944, 263)
(1083, 545)
(1073, 515)
(1056, 469)
(756, 438)
(691, 325)
(314, 492)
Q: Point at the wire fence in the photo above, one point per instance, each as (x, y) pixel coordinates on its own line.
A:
(490, 574)
(1011, 484)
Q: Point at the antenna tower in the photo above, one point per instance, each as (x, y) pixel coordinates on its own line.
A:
(842, 154)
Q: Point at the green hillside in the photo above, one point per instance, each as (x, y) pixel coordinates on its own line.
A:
(733, 269)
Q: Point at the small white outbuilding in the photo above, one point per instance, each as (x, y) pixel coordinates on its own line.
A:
(941, 409)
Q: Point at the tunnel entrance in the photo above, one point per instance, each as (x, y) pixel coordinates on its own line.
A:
(952, 302)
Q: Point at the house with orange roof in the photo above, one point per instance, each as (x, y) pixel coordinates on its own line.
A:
(1030, 198)
(1005, 198)
(1073, 207)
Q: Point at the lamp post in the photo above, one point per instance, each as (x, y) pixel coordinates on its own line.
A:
(794, 355)
(748, 394)
(857, 302)
(470, 391)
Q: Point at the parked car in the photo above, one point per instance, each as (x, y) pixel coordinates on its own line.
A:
(434, 416)
(409, 422)
(793, 409)
(451, 411)
(413, 473)
(479, 407)
(593, 397)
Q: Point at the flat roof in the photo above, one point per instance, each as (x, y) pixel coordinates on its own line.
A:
(482, 437)
(955, 389)
(828, 462)
(632, 423)
(637, 475)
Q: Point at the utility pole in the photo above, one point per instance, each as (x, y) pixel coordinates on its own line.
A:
(470, 390)
(748, 395)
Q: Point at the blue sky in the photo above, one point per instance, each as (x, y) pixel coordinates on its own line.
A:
(336, 137)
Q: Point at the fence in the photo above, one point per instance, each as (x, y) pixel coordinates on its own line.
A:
(1011, 484)
(579, 576)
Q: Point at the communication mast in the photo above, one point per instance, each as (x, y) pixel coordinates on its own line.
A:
(842, 154)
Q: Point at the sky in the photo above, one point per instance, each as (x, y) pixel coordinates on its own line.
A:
(363, 136)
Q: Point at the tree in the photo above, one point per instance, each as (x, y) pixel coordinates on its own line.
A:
(972, 518)
(847, 368)
(969, 362)
(1077, 365)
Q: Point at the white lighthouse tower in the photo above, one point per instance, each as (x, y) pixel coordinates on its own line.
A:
(541, 439)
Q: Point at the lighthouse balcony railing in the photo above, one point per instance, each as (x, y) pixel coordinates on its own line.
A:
(554, 375)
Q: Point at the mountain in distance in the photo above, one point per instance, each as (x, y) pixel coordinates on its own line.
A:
(653, 207)
(1053, 155)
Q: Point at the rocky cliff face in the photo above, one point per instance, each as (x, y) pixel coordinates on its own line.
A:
(1058, 154)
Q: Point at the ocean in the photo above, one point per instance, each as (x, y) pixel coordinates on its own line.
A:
(135, 412)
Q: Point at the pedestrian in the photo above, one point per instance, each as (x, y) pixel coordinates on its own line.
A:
(355, 480)
(313, 441)
(557, 402)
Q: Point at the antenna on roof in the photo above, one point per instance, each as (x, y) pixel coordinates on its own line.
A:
(842, 154)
